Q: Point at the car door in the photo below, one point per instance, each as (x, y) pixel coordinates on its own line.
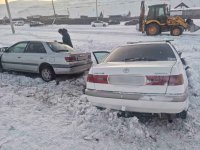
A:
(100, 56)
(34, 55)
(11, 58)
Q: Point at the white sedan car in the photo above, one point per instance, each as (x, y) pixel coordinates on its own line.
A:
(99, 24)
(141, 77)
(46, 58)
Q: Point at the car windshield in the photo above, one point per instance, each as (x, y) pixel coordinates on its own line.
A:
(57, 47)
(142, 52)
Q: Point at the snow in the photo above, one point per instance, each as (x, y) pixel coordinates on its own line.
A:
(35, 115)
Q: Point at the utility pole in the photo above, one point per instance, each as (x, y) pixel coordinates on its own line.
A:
(97, 10)
(10, 17)
(54, 12)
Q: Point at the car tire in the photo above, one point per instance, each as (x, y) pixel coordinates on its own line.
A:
(93, 26)
(153, 29)
(47, 73)
(176, 31)
(183, 115)
(104, 25)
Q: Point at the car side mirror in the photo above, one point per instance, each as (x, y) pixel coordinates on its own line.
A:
(100, 56)
(3, 49)
(6, 50)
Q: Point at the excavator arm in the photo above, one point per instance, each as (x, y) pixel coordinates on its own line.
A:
(142, 17)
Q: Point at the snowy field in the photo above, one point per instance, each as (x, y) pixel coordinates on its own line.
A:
(35, 115)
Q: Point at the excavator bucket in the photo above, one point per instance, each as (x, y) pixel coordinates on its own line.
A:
(194, 28)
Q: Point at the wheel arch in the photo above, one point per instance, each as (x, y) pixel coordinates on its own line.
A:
(152, 22)
(45, 64)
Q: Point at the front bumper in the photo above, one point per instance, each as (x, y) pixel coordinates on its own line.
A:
(144, 103)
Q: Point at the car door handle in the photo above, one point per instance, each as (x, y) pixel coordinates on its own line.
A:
(41, 58)
(19, 57)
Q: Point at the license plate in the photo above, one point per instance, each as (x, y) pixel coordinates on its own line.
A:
(127, 80)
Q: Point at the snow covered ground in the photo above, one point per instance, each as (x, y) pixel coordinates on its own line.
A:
(35, 115)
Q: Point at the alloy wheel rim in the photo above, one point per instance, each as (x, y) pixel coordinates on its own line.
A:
(46, 74)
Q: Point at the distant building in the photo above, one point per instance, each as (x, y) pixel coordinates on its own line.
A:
(48, 19)
(19, 19)
(34, 18)
(84, 17)
(181, 5)
(62, 16)
(116, 17)
(185, 11)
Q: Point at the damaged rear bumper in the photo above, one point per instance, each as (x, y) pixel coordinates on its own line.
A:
(146, 103)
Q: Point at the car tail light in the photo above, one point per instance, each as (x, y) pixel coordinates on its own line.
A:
(172, 80)
(101, 79)
(157, 80)
(70, 58)
(176, 80)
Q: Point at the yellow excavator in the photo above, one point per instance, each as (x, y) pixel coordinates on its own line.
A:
(159, 20)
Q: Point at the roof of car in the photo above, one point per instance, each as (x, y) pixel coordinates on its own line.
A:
(37, 41)
(148, 42)
(32, 41)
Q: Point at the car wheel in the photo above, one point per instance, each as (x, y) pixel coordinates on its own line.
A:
(47, 73)
(93, 26)
(104, 25)
(176, 31)
(153, 29)
(183, 115)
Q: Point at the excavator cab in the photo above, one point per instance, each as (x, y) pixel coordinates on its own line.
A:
(158, 12)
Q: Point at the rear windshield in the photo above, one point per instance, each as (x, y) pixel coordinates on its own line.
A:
(57, 47)
(144, 52)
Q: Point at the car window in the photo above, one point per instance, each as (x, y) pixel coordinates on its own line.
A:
(142, 52)
(100, 56)
(35, 47)
(18, 48)
(57, 47)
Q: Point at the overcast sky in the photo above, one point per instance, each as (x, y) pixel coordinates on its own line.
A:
(24, 8)
(173, 2)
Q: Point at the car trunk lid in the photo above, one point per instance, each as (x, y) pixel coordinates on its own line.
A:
(133, 77)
